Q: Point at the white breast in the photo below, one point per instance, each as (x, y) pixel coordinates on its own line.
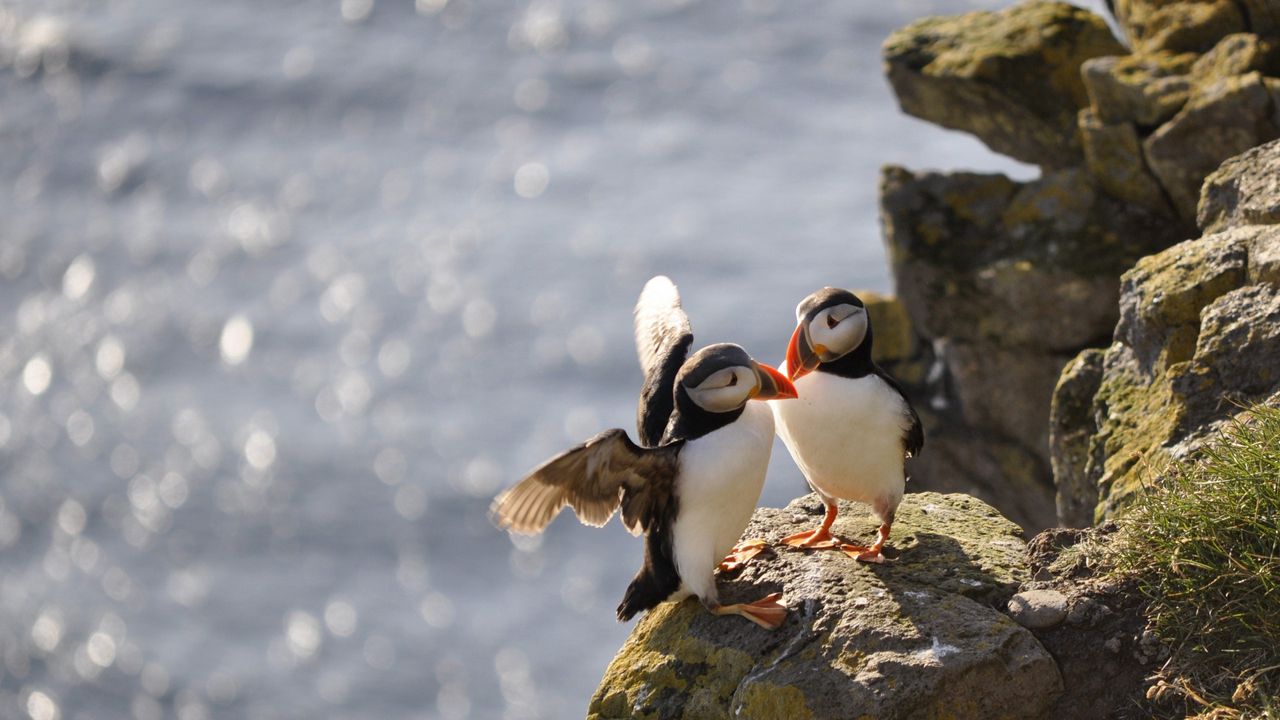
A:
(846, 436)
(721, 475)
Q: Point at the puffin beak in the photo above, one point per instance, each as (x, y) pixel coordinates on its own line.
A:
(802, 357)
(773, 385)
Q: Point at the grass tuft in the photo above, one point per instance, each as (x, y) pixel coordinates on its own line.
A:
(1204, 544)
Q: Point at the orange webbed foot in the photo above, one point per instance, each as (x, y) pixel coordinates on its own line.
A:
(742, 554)
(766, 612)
(817, 539)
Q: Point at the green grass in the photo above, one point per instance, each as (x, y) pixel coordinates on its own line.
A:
(1204, 544)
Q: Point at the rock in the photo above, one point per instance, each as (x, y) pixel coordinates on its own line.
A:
(916, 637)
(1222, 119)
(1197, 339)
(1070, 428)
(1190, 25)
(1263, 16)
(1236, 54)
(963, 458)
(1011, 77)
(1006, 282)
(1005, 391)
(1113, 154)
(1142, 89)
(1037, 609)
(895, 337)
(1100, 678)
(1245, 190)
(1026, 265)
(1163, 294)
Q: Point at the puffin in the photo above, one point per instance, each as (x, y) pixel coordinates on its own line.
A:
(692, 482)
(852, 428)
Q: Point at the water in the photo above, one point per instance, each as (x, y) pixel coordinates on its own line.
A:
(289, 290)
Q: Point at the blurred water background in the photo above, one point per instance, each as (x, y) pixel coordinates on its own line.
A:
(288, 290)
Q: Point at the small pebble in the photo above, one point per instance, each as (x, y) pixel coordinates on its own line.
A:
(1036, 609)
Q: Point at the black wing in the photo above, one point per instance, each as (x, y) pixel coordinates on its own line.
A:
(595, 479)
(663, 337)
(913, 438)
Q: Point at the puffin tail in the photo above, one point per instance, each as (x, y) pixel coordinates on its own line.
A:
(655, 582)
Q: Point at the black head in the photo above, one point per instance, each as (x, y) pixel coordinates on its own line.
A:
(715, 384)
(833, 331)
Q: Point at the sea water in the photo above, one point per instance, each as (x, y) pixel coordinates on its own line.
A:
(289, 290)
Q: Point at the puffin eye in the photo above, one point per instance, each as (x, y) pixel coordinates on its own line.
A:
(733, 380)
(832, 321)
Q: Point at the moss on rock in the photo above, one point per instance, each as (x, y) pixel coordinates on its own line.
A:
(1178, 25)
(1113, 154)
(1199, 334)
(1223, 118)
(1244, 190)
(1011, 77)
(1071, 425)
(1144, 89)
(917, 637)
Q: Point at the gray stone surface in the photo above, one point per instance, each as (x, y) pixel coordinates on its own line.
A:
(916, 637)
(1010, 77)
(1037, 609)
(1245, 190)
(1071, 425)
(1198, 339)
(1113, 154)
(1191, 25)
(1222, 119)
(1007, 282)
(1141, 89)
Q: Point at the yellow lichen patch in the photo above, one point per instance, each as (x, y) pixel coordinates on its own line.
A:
(765, 701)
(1142, 417)
(663, 657)
(1173, 286)
(895, 339)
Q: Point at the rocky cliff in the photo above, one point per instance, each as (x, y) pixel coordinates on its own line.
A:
(920, 637)
(1004, 283)
(1001, 285)
(1198, 339)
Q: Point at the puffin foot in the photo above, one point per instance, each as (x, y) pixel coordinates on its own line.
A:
(765, 612)
(741, 554)
(818, 539)
(871, 554)
(864, 554)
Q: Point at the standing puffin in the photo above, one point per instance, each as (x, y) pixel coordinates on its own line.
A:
(852, 428)
(692, 486)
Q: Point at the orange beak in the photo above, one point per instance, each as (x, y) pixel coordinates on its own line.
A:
(773, 385)
(802, 357)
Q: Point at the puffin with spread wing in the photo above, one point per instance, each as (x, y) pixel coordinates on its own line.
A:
(693, 483)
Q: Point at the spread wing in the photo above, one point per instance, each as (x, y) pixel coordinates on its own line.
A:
(663, 337)
(913, 438)
(595, 479)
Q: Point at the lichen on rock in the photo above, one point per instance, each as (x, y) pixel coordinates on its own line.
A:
(1245, 190)
(1222, 118)
(1010, 77)
(1007, 281)
(1144, 90)
(1178, 25)
(1198, 336)
(919, 637)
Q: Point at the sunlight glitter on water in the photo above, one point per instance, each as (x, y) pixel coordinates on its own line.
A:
(289, 292)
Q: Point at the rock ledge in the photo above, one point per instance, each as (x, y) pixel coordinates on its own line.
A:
(920, 637)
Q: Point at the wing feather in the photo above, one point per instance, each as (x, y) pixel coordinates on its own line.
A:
(913, 436)
(595, 479)
(663, 338)
(660, 322)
